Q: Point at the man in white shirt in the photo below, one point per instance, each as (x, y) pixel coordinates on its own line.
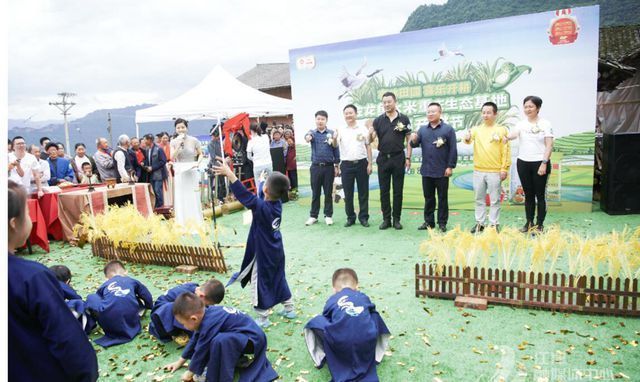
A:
(45, 170)
(125, 168)
(355, 166)
(23, 166)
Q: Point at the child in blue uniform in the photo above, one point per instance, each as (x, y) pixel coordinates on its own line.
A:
(73, 299)
(45, 341)
(263, 263)
(163, 324)
(350, 335)
(63, 274)
(222, 336)
(118, 304)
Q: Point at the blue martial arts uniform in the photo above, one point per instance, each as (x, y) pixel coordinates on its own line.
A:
(264, 252)
(78, 308)
(350, 336)
(224, 335)
(45, 341)
(118, 303)
(68, 292)
(163, 324)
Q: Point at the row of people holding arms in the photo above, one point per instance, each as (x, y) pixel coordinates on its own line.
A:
(347, 152)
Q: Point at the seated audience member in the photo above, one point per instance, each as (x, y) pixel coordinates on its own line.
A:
(118, 304)
(350, 336)
(43, 167)
(79, 159)
(59, 167)
(45, 342)
(87, 176)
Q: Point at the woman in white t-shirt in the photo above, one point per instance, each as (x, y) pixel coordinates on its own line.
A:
(259, 152)
(535, 137)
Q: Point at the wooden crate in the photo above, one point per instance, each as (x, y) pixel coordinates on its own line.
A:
(205, 258)
(528, 289)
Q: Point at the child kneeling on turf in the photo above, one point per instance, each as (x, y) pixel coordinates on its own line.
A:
(73, 299)
(350, 335)
(222, 336)
(163, 324)
(263, 263)
(118, 304)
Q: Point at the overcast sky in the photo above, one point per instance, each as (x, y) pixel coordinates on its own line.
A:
(121, 52)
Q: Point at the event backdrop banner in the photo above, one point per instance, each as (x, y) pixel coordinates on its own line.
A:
(552, 55)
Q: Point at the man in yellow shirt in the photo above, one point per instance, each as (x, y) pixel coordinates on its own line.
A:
(491, 161)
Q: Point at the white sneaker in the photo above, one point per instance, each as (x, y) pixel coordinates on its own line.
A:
(328, 221)
(311, 221)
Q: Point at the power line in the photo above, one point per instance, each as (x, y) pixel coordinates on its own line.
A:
(64, 105)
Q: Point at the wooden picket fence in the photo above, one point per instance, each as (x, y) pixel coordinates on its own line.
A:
(205, 258)
(557, 292)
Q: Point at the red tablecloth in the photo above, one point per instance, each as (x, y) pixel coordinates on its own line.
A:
(72, 204)
(49, 206)
(39, 229)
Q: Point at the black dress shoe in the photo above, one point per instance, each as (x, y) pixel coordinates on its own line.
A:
(477, 228)
(349, 223)
(442, 227)
(527, 227)
(425, 226)
(385, 224)
(364, 223)
(397, 225)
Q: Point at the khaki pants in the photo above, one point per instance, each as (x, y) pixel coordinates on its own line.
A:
(483, 183)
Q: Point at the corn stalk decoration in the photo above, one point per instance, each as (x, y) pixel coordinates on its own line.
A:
(614, 255)
(126, 225)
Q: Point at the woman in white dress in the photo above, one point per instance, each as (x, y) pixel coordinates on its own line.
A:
(186, 154)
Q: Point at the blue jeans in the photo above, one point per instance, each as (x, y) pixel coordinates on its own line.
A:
(157, 189)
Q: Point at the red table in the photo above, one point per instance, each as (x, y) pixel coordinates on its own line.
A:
(49, 207)
(38, 234)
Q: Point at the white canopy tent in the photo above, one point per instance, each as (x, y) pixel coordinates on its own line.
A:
(218, 95)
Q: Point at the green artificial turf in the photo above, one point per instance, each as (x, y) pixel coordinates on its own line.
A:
(463, 345)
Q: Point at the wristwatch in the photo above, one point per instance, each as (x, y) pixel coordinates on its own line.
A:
(545, 161)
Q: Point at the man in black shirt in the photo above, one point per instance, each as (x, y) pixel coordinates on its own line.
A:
(393, 130)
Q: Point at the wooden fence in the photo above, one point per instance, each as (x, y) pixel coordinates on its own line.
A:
(205, 258)
(528, 289)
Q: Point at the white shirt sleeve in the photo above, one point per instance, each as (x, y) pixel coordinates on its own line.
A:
(548, 130)
(45, 172)
(120, 159)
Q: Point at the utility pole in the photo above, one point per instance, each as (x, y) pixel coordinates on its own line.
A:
(109, 129)
(64, 107)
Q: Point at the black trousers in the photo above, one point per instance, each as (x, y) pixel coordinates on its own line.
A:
(429, 188)
(222, 188)
(321, 180)
(534, 187)
(353, 173)
(391, 170)
(293, 178)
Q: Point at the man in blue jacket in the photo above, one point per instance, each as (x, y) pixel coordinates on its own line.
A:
(439, 157)
(155, 167)
(61, 170)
